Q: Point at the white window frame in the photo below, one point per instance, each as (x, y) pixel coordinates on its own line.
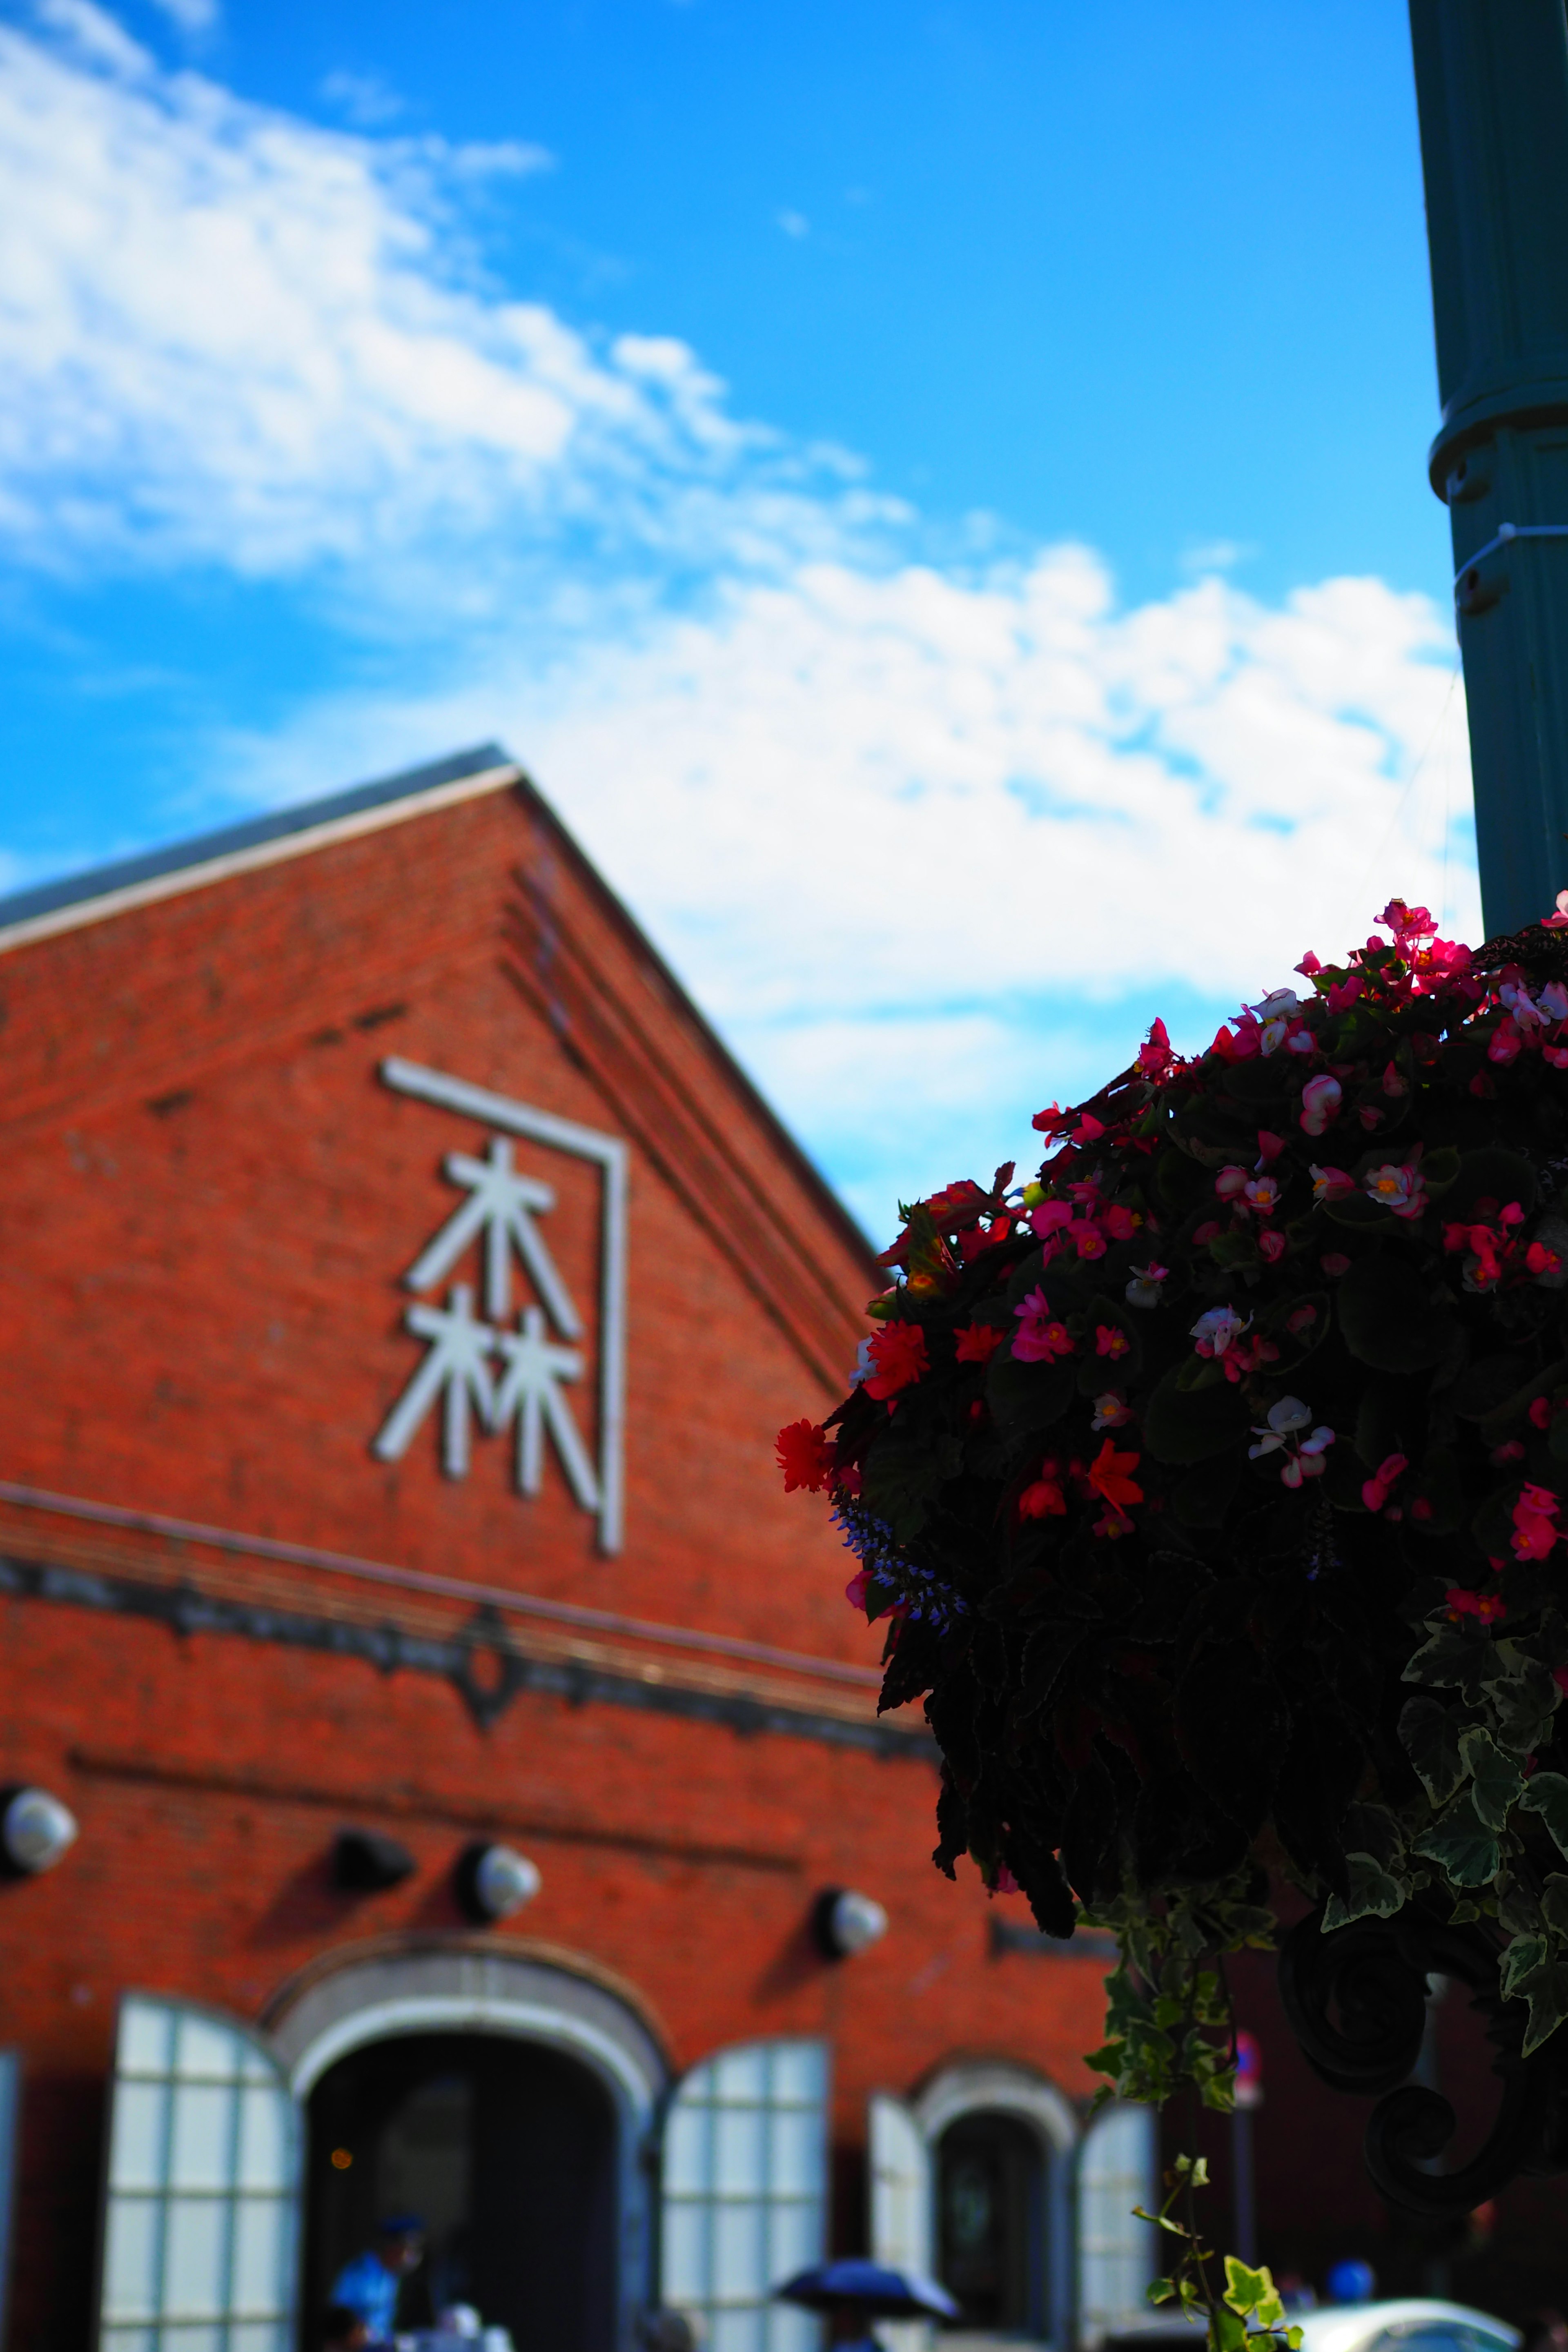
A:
(744, 2192)
(201, 2112)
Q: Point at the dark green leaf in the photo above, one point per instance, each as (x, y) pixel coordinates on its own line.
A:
(1371, 1893)
(1491, 1173)
(1496, 1778)
(1546, 1793)
(1028, 1397)
(1460, 1843)
(1183, 1427)
(1387, 1316)
(1430, 1734)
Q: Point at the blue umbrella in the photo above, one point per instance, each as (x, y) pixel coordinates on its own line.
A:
(875, 2289)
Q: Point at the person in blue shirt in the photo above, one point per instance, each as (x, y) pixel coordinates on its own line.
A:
(370, 2283)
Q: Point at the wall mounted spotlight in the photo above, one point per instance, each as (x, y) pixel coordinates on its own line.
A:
(36, 1831)
(491, 1882)
(845, 1923)
(367, 1861)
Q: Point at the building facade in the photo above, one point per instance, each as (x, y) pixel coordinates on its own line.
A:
(466, 1739)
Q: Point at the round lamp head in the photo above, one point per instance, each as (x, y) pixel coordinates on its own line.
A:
(36, 1831)
(494, 1881)
(846, 1922)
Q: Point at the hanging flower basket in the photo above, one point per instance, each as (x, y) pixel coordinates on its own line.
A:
(1212, 1485)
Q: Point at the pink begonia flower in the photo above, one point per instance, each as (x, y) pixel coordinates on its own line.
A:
(1217, 1330)
(1540, 1411)
(1303, 1455)
(1393, 1085)
(1553, 1000)
(1506, 1043)
(1005, 1882)
(1465, 1603)
(1533, 1533)
(1308, 964)
(1557, 922)
(1300, 1318)
(1321, 1099)
(1109, 1340)
(1039, 1339)
(1049, 1217)
(1087, 1238)
(1272, 1245)
(1156, 1057)
(1270, 1147)
(1510, 1450)
(1112, 1411)
(1334, 1263)
(1231, 1182)
(1398, 1186)
(1332, 1184)
(1543, 1260)
(1376, 1493)
(1120, 1223)
(1262, 1193)
(854, 1591)
(1557, 1056)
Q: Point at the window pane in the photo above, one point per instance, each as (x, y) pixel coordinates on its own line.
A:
(127, 2339)
(206, 2050)
(686, 2150)
(261, 2335)
(742, 2074)
(201, 2337)
(138, 2152)
(265, 2134)
(202, 2148)
(260, 2246)
(146, 2037)
(738, 2331)
(740, 2252)
(686, 2252)
(131, 2257)
(194, 2257)
(799, 2073)
(740, 2151)
(794, 2235)
(796, 2152)
(792, 2331)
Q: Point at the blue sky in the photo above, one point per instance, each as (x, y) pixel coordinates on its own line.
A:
(936, 495)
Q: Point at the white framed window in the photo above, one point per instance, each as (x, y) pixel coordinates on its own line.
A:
(1117, 2169)
(744, 2190)
(203, 2183)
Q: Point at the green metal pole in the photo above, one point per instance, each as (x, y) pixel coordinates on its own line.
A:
(1491, 86)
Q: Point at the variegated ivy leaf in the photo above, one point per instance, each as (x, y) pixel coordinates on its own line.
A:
(1522, 1958)
(1555, 1903)
(1429, 1733)
(1373, 1893)
(1496, 1778)
(1451, 1660)
(1461, 1844)
(1546, 1991)
(1547, 1794)
(1524, 1703)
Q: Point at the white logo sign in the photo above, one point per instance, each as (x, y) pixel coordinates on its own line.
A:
(514, 1369)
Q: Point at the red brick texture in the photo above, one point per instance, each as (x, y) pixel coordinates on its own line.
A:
(207, 1198)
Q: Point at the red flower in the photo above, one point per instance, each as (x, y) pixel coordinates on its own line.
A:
(1111, 1475)
(977, 1342)
(1110, 1342)
(854, 1591)
(1486, 1606)
(1540, 1259)
(805, 1455)
(1043, 1500)
(897, 1353)
(1533, 1533)
(1039, 1339)
(1155, 1058)
(1376, 1493)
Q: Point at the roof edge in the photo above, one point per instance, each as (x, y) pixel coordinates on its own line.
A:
(107, 890)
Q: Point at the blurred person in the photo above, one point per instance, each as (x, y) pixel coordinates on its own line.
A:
(370, 2283)
(1545, 2331)
(1352, 2281)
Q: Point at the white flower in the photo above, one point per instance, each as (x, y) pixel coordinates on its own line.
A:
(1216, 1329)
(1284, 1419)
(1304, 1455)
(1274, 1017)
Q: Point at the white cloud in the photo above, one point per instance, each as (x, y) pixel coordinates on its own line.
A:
(191, 16)
(229, 335)
(362, 98)
(934, 851)
(932, 844)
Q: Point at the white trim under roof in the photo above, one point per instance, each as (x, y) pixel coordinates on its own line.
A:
(308, 835)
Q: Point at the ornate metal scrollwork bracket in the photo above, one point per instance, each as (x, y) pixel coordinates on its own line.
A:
(1356, 2000)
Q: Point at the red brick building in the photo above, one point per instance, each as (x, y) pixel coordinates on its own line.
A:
(403, 1289)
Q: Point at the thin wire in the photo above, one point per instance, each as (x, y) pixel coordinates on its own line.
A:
(1393, 822)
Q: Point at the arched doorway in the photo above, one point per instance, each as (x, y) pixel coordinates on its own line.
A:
(991, 2222)
(505, 2147)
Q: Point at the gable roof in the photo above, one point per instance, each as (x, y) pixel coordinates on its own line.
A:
(105, 890)
(604, 1045)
